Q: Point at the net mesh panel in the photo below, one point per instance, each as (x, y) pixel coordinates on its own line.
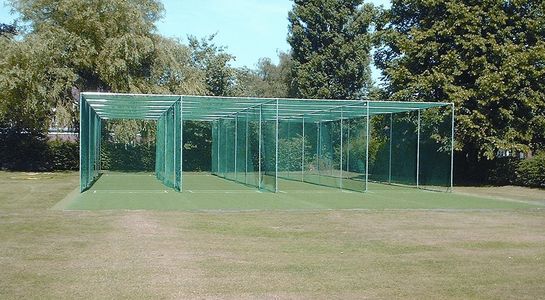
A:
(355, 154)
(268, 146)
(90, 126)
(160, 149)
(252, 159)
(214, 152)
(178, 142)
(255, 141)
(241, 128)
(290, 149)
(84, 146)
(404, 141)
(379, 148)
(245, 148)
(229, 138)
(169, 144)
(411, 148)
(435, 148)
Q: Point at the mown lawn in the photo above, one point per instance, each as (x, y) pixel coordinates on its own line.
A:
(373, 253)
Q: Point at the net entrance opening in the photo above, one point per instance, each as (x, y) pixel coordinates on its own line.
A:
(276, 144)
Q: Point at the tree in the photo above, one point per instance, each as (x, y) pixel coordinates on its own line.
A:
(214, 61)
(331, 44)
(267, 80)
(85, 45)
(488, 57)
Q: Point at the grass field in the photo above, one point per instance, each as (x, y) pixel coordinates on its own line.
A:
(208, 192)
(474, 244)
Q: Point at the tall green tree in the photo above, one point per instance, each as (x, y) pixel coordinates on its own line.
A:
(488, 57)
(267, 79)
(331, 44)
(214, 61)
(85, 45)
(89, 45)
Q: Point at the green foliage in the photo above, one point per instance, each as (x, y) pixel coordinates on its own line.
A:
(127, 157)
(531, 172)
(63, 155)
(22, 151)
(76, 45)
(487, 57)
(214, 62)
(197, 146)
(503, 171)
(290, 153)
(36, 75)
(268, 80)
(331, 46)
(36, 153)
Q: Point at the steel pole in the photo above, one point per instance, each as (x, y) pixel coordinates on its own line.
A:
(452, 150)
(303, 152)
(259, 158)
(418, 151)
(390, 154)
(276, 153)
(367, 150)
(341, 164)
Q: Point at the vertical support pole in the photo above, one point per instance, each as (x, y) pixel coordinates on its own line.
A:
(246, 155)
(90, 176)
(236, 144)
(276, 154)
(367, 149)
(226, 137)
(81, 187)
(218, 135)
(165, 116)
(341, 164)
(259, 177)
(288, 164)
(452, 150)
(390, 154)
(181, 143)
(418, 151)
(348, 148)
(303, 153)
(174, 154)
(318, 147)
(99, 144)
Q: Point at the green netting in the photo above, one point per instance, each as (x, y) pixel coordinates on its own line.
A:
(357, 148)
(245, 148)
(90, 129)
(337, 143)
(168, 161)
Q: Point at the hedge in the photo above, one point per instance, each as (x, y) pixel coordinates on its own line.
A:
(531, 172)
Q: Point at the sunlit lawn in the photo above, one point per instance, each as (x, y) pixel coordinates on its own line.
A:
(497, 252)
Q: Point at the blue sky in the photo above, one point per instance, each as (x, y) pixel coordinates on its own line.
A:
(250, 29)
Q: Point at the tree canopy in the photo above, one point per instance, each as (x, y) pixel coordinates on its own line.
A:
(73, 45)
(488, 57)
(331, 44)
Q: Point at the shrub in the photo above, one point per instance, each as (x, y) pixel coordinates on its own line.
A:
(121, 157)
(25, 151)
(63, 155)
(531, 172)
(502, 171)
